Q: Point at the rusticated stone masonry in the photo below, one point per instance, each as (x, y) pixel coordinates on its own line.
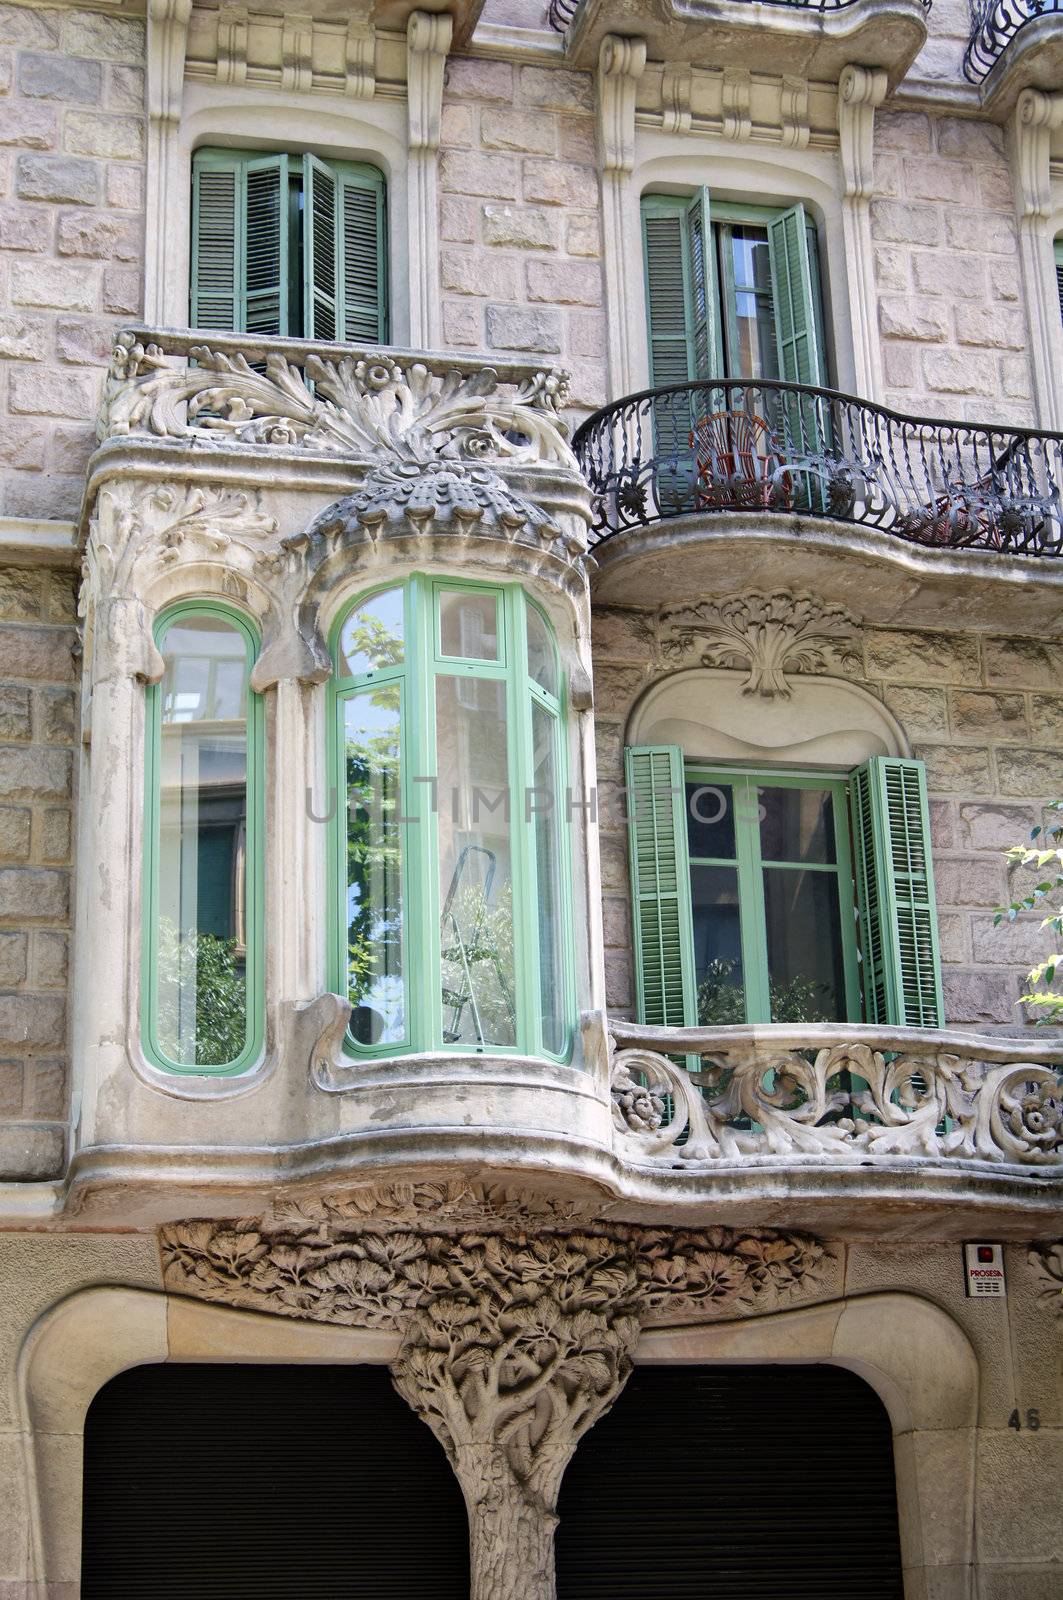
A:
(72, 133)
(38, 720)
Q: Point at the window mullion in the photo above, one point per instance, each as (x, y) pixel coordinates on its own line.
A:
(422, 916)
(751, 901)
(521, 762)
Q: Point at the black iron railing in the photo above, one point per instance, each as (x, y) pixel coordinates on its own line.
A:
(995, 24)
(783, 448)
(563, 11)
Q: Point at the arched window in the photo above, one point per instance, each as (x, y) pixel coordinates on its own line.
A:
(202, 915)
(450, 923)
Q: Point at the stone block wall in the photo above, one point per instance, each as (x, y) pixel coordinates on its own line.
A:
(951, 311)
(986, 716)
(72, 144)
(519, 226)
(38, 722)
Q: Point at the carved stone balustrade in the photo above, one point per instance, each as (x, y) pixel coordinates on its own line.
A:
(934, 1109)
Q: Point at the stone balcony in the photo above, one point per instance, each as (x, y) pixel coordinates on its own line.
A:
(877, 511)
(813, 39)
(1014, 45)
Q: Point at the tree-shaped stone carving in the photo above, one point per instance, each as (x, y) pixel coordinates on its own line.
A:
(516, 1353)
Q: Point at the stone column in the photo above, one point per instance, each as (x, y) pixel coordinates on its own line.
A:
(167, 36)
(428, 37)
(521, 1352)
(860, 90)
(621, 63)
(1036, 116)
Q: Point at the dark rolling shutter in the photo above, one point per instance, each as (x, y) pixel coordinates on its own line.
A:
(733, 1483)
(266, 1483)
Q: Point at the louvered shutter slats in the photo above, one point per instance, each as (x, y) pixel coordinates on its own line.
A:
(266, 256)
(361, 223)
(660, 886)
(797, 334)
(895, 886)
(216, 208)
(321, 256)
(667, 298)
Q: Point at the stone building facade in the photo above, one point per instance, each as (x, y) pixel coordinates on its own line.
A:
(398, 1006)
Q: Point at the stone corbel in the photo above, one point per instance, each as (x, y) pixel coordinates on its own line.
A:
(1033, 122)
(793, 113)
(621, 62)
(428, 37)
(737, 91)
(677, 82)
(232, 44)
(360, 60)
(860, 90)
(297, 49)
(167, 39)
(293, 651)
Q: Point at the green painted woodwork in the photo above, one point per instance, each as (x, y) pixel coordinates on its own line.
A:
(1059, 271)
(423, 667)
(660, 886)
(687, 277)
(751, 869)
(288, 244)
(253, 884)
(895, 889)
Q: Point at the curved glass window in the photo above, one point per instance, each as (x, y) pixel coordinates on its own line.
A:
(202, 977)
(450, 927)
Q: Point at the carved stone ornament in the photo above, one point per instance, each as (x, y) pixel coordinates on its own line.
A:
(435, 494)
(357, 405)
(513, 1343)
(771, 635)
(749, 1101)
(1047, 1262)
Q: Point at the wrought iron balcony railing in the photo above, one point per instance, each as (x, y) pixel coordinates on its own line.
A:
(995, 24)
(778, 448)
(835, 1092)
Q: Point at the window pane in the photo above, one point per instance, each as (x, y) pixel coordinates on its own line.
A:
(200, 979)
(475, 862)
(751, 265)
(711, 820)
(796, 825)
(374, 865)
(542, 663)
(468, 625)
(717, 945)
(805, 968)
(372, 636)
(546, 822)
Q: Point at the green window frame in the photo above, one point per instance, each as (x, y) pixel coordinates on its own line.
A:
(884, 873)
(692, 294)
(417, 812)
(289, 245)
(152, 943)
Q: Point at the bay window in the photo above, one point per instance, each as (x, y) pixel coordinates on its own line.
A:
(766, 896)
(450, 926)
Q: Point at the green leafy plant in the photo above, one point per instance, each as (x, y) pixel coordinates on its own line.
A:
(213, 968)
(1044, 854)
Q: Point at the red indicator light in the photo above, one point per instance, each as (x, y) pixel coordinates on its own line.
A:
(985, 1252)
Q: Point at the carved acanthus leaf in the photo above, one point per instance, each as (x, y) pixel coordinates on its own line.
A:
(359, 406)
(770, 635)
(1047, 1262)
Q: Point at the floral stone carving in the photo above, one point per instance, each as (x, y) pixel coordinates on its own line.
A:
(771, 635)
(1047, 1263)
(514, 1344)
(359, 406)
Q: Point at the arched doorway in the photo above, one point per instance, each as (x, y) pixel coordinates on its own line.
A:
(733, 1483)
(266, 1482)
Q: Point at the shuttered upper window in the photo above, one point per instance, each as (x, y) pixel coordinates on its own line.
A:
(731, 292)
(749, 887)
(285, 244)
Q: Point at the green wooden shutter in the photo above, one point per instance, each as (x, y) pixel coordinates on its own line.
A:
(362, 235)
(895, 891)
(320, 250)
(240, 242)
(667, 270)
(217, 240)
(1059, 273)
(660, 886)
(702, 288)
(794, 284)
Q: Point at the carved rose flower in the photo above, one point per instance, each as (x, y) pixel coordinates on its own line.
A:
(1037, 1117)
(640, 1108)
(376, 375)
